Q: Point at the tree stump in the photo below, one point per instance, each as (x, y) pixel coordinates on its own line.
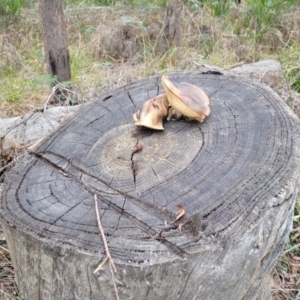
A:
(235, 175)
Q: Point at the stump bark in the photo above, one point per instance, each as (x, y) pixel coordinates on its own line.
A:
(234, 174)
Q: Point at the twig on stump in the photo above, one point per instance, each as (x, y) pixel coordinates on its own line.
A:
(112, 266)
(101, 265)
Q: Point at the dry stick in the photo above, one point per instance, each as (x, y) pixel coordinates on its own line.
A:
(280, 285)
(32, 144)
(234, 66)
(6, 294)
(101, 265)
(4, 249)
(6, 166)
(292, 248)
(295, 230)
(262, 76)
(20, 121)
(103, 234)
(13, 161)
(113, 280)
(49, 97)
(112, 266)
(2, 254)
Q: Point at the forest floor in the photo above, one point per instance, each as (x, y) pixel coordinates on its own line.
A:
(113, 46)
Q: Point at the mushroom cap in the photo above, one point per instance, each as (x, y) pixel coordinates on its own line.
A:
(152, 113)
(188, 99)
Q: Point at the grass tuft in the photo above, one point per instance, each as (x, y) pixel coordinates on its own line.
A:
(11, 7)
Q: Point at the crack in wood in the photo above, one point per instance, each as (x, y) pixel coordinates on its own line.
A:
(154, 172)
(138, 147)
(119, 218)
(221, 87)
(188, 277)
(89, 280)
(212, 72)
(133, 171)
(157, 86)
(160, 238)
(171, 246)
(129, 96)
(106, 98)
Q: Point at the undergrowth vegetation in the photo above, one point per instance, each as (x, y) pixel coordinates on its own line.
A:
(112, 43)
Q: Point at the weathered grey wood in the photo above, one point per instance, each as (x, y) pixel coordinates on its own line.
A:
(238, 170)
(32, 127)
(268, 71)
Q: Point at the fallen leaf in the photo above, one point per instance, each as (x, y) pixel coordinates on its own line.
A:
(138, 147)
(181, 212)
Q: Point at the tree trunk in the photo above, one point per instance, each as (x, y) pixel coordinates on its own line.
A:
(55, 40)
(171, 34)
(234, 174)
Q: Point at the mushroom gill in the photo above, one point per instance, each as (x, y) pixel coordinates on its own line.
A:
(186, 99)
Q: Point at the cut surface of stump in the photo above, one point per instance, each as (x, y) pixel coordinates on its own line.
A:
(235, 175)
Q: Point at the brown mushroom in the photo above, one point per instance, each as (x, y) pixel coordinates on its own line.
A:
(186, 100)
(152, 113)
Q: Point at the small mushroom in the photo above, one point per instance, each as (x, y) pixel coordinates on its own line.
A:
(186, 100)
(152, 113)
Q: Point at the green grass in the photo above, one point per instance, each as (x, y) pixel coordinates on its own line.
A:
(263, 14)
(212, 33)
(11, 7)
(218, 7)
(289, 58)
